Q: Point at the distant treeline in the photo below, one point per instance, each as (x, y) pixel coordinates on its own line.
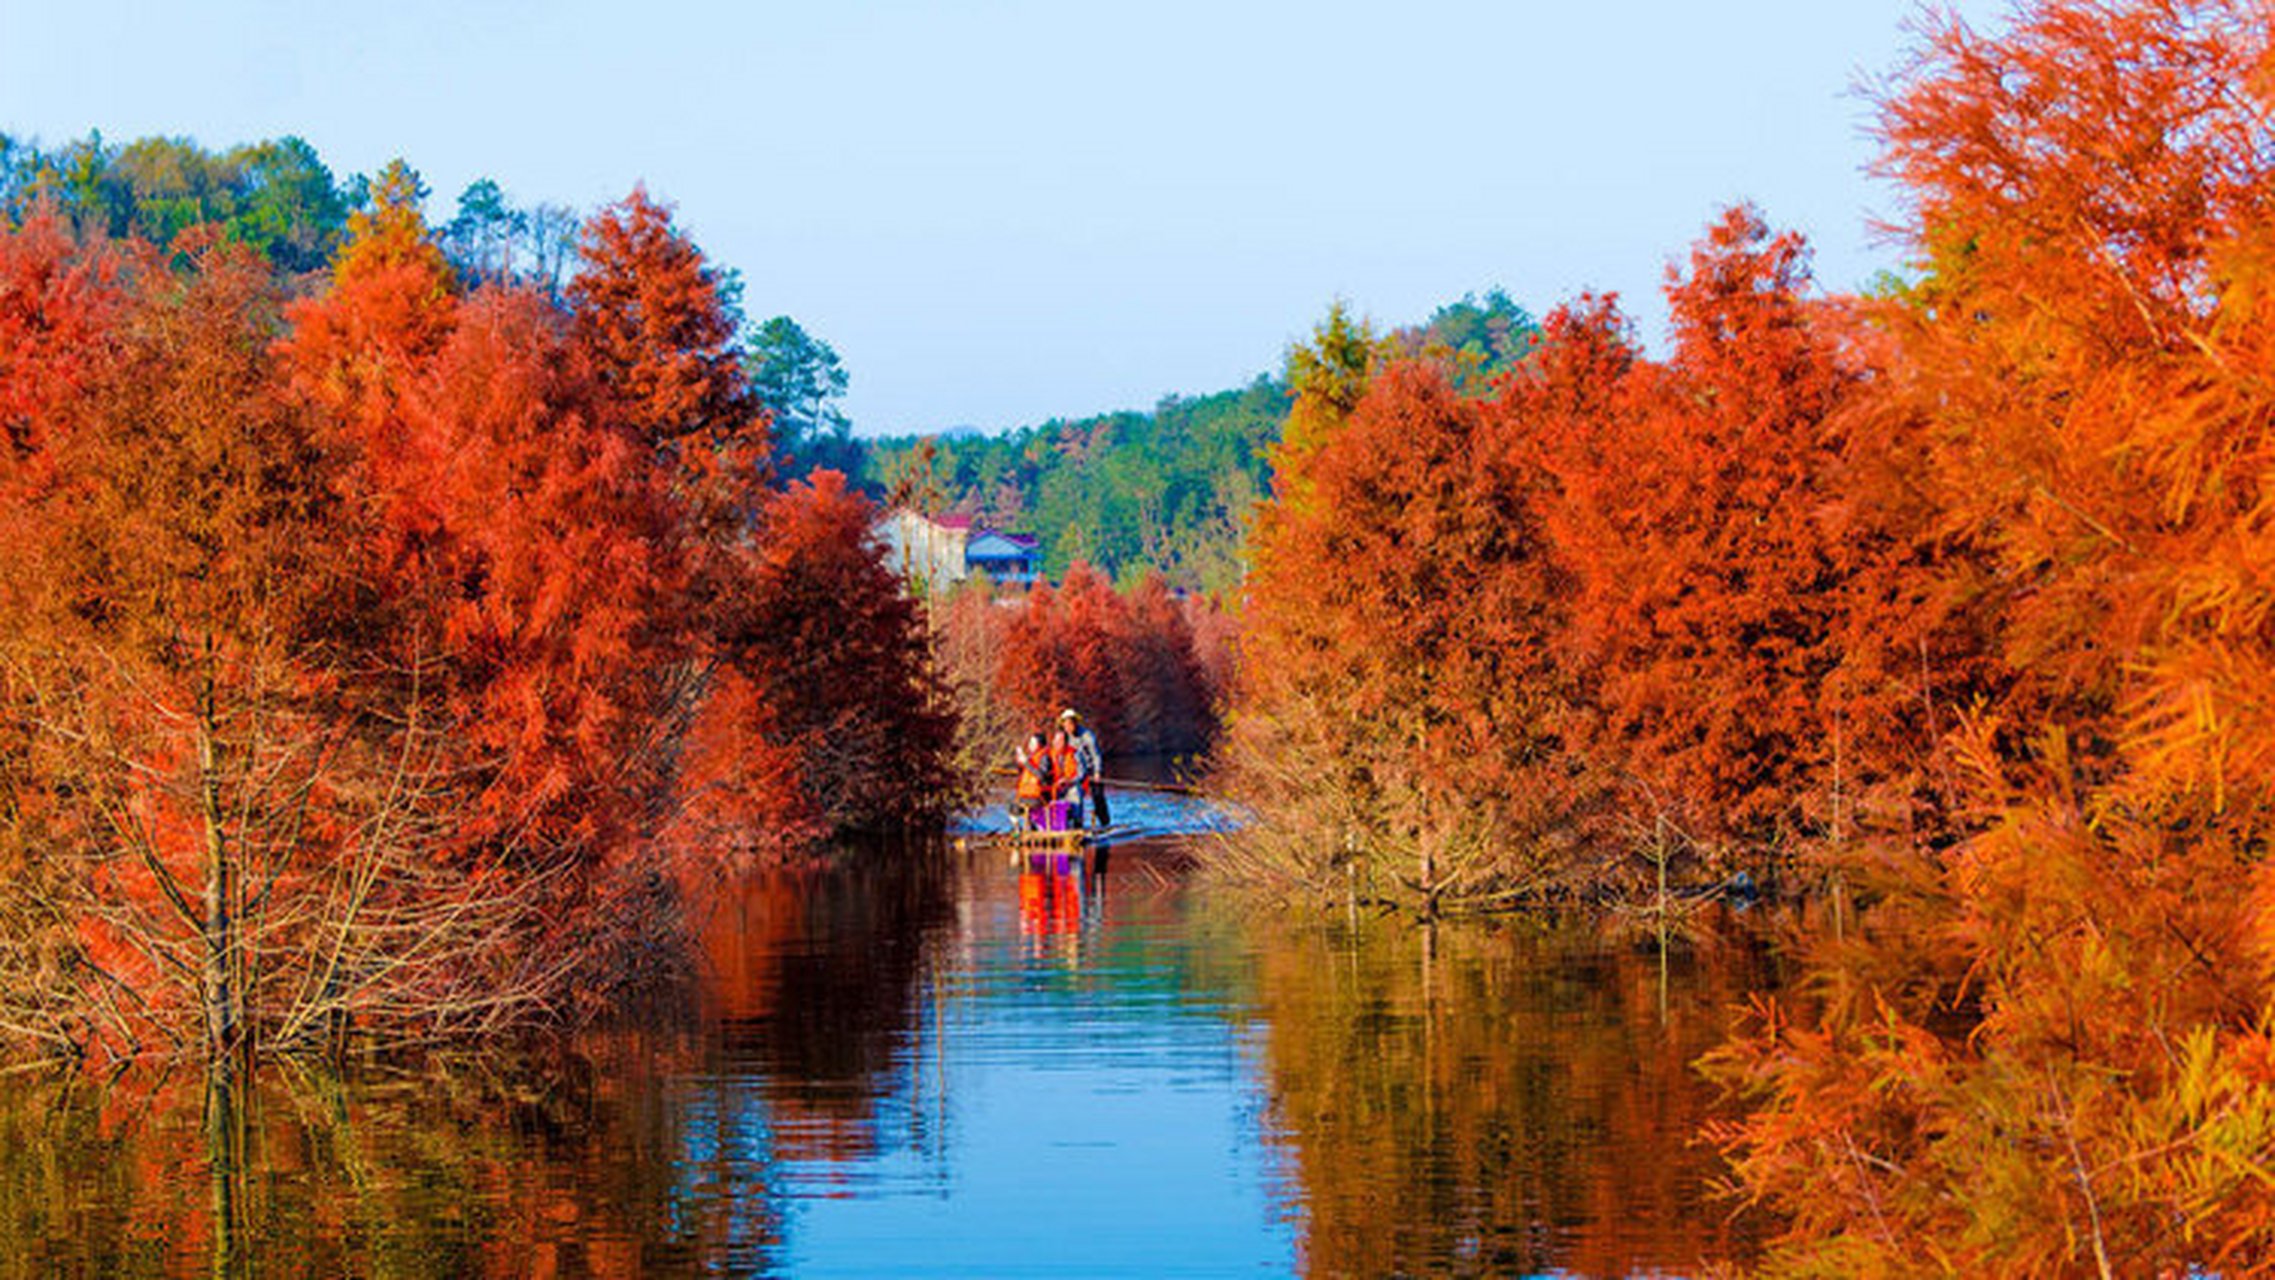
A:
(1169, 491)
(277, 197)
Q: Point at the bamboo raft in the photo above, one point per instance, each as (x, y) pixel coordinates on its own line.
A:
(1051, 841)
(1076, 843)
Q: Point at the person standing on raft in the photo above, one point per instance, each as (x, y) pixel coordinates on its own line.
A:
(1033, 765)
(1085, 744)
(1069, 780)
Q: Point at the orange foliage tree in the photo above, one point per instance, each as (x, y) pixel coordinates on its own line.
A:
(1128, 661)
(1759, 639)
(1690, 518)
(651, 315)
(201, 797)
(2050, 1055)
(518, 536)
(1398, 715)
(824, 684)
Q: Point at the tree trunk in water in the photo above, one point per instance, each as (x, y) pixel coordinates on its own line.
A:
(224, 1152)
(1429, 872)
(224, 1003)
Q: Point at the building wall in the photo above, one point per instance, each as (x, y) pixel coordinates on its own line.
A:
(922, 552)
(1007, 572)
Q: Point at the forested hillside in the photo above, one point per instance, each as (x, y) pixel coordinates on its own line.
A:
(277, 197)
(1170, 490)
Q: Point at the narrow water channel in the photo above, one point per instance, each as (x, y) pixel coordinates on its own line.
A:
(988, 1070)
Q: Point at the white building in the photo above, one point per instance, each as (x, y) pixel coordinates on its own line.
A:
(934, 553)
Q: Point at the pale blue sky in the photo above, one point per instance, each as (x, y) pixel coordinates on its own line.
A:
(999, 212)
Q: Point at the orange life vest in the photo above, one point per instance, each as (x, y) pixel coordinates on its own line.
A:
(1035, 777)
(1066, 768)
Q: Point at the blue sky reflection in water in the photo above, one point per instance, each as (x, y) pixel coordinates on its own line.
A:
(1090, 1121)
(1025, 1074)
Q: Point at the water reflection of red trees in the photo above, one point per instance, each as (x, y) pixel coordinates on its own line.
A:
(1498, 1101)
(452, 1170)
(814, 981)
(656, 1145)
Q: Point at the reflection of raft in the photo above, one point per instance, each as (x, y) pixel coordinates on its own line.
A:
(1075, 843)
(1053, 841)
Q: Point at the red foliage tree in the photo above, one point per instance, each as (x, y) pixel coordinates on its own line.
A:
(1065, 649)
(829, 718)
(163, 661)
(648, 311)
(1166, 689)
(1396, 675)
(59, 308)
(2051, 1053)
(1215, 629)
(1692, 516)
(1029, 661)
(357, 352)
(1126, 661)
(517, 538)
(564, 617)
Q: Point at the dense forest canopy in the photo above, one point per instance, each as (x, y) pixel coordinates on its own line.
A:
(1170, 490)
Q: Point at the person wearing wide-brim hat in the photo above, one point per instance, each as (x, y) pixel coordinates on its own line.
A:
(1085, 744)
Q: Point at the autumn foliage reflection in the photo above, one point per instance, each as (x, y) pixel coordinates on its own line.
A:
(815, 980)
(1494, 1100)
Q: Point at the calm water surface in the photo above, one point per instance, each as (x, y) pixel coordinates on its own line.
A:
(986, 1071)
